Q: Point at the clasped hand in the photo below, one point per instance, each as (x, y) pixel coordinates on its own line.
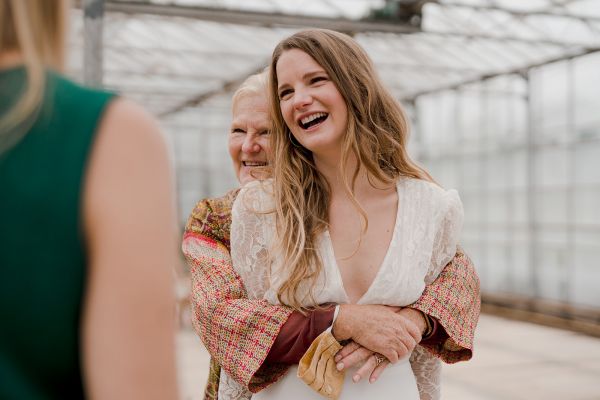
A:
(374, 329)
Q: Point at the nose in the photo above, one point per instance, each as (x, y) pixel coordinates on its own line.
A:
(302, 99)
(250, 144)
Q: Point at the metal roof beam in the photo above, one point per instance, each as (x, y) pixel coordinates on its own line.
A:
(517, 13)
(256, 18)
(202, 97)
(507, 38)
(518, 70)
(264, 19)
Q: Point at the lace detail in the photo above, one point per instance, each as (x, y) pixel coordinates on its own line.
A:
(252, 230)
(449, 220)
(425, 236)
(229, 389)
(428, 372)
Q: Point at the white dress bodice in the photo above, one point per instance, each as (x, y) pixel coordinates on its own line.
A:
(428, 223)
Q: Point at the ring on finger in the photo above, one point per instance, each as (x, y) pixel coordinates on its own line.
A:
(379, 358)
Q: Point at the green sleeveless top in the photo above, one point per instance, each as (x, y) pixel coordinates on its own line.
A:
(42, 252)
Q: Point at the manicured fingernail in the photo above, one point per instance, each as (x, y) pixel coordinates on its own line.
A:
(356, 378)
(340, 366)
(337, 358)
(372, 380)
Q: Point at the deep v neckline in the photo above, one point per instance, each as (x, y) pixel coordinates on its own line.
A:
(384, 263)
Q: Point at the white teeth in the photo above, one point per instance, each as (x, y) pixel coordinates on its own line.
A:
(254, 164)
(312, 117)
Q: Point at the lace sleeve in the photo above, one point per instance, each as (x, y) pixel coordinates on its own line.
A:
(252, 231)
(229, 389)
(449, 224)
(428, 372)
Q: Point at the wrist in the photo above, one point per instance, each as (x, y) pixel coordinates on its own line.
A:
(419, 318)
(340, 329)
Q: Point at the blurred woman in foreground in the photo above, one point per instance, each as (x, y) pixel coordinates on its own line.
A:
(86, 301)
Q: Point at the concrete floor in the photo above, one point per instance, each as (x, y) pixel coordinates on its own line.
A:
(512, 361)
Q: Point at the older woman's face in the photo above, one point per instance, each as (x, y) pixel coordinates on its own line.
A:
(249, 140)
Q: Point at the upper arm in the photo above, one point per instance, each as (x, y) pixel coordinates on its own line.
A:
(130, 229)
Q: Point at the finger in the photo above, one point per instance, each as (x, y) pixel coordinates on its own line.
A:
(346, 350)
(392, 355)
(354, 358)
(366, 369)
(378, 370)
(395, 351)
(413, 331)
(398, 351)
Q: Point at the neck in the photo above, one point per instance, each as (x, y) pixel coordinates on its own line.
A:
(364, 187)
(11, 58)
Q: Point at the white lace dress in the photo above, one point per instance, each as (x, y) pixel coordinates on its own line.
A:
(428, 223)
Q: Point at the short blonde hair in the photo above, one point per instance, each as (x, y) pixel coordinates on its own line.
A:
(36, 30)
(254, 85)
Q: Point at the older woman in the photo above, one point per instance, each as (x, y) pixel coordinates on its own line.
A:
(255, 341)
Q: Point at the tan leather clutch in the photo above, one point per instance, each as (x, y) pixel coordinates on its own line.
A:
(317, 367)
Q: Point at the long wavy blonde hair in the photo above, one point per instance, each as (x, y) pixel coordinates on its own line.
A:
(35, 29)
(376, 135)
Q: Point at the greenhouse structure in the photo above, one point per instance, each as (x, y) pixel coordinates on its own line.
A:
(503, 96)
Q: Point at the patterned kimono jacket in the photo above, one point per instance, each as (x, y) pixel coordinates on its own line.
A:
(239, 332)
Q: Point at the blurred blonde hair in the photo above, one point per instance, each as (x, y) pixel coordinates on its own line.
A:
(254, 85)
(377, 135)
(35, 29)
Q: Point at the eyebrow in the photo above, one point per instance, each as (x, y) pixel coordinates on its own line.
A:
(307, 75)
(235, 124)
(313, 73)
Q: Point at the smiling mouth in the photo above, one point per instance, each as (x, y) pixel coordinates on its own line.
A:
(254, 164)
(312, 120)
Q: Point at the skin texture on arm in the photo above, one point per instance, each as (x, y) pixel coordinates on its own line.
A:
(128, 322)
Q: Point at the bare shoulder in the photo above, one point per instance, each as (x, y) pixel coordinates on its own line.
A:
(129, 124)
(130, 137)
(129, 164)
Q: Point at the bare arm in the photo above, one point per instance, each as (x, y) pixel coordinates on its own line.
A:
(129, 213)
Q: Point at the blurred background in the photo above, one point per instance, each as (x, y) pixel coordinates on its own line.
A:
(504, 98)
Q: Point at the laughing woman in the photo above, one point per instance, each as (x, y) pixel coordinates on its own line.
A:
(348, 218)
(251, 341)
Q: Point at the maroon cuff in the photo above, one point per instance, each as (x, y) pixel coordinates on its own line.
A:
(438, 333)
(297, 334)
